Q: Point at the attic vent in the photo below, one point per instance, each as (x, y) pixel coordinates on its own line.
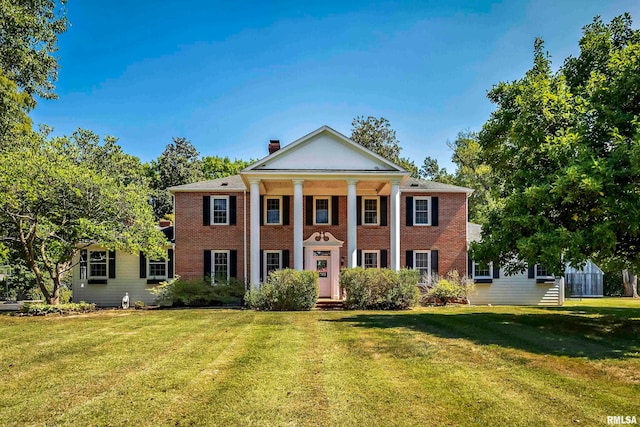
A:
(224, 184)
(414, 185)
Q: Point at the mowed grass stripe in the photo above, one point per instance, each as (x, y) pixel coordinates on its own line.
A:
(418, 367)
(362, 383)
(273, 382)
(117, 356)
(538, 386)
(444, 366)
(148, 389)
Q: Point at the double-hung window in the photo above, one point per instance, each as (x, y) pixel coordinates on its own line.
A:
(220, 266)
(421, 211)
(220, 210)
(482, 270)
(98, 264)
(272, 261)
(542, 272)
(157, 269)
(322, 210)
(421, 262)
(370, 259)
(273, 210)
(370, 209)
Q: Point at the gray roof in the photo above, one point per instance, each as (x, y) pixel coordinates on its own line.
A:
(422, 184)
(229, 183)
(235, 183)
(474, 232)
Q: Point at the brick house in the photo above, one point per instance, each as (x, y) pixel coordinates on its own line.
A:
(322, 202)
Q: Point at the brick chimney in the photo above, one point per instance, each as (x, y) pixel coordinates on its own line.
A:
(274, 145)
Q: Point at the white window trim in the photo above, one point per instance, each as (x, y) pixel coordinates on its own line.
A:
(416, 198)
(106, 263)
(213, 264)
(264, 262)
(328, 207)
(473, 267)
(377, 199)
(535, 274)
(415, 259)
(166, 269)
(266, 216)
(371, 252)
(212, 222)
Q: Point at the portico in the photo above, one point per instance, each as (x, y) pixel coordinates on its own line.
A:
(313, 177)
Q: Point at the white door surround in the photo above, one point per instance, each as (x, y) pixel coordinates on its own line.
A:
(324, 246)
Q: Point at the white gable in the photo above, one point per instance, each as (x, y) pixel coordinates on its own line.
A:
(325, 149)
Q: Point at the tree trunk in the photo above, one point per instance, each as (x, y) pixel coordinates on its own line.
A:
(54, 297)
(630, 282)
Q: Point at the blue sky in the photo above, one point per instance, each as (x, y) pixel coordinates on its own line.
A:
(231, 75)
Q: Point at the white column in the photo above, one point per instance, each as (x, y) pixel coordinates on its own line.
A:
(395, 225)
(297, 224)
(352, 228)
(255, 232)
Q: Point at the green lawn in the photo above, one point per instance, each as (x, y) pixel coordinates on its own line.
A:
(485, 366)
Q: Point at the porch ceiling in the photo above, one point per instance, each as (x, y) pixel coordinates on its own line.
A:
(325, 187)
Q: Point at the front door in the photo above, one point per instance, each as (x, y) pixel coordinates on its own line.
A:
(323, 267)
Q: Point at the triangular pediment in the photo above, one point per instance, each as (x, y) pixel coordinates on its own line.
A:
(324, 150)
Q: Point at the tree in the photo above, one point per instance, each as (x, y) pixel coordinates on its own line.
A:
(29, 32)
(471, 172)
(564, 151)
(58, 195)
(178, 164)
(377, 135)
(214, 167)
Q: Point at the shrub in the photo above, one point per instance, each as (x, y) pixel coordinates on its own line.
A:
(65, 294)
(198, 292)
(285, 290)
(139, 304)
(612, 284)
(39, 309)
(443, 290)
(384, 289)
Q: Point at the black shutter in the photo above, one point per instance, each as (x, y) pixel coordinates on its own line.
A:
(359, 252)
(286, 208)
(285, 258)
(409, 211)
(83, 264)
(383, 258)
(261, 210)
(434, 211)
(434, 262)
(532, 272)
(112, 264)
(335, 210)
(469, 266)
(232, 210)
(207, 264)
(383, 210)
(409, 259)
(359, 210)
(308, 201)
(143, 265)
(233, 263)
(206, 210)
(170, 264)
(496, 270)
(262, 278)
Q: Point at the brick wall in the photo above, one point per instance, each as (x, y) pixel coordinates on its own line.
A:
(192, 238)
(449, 237)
